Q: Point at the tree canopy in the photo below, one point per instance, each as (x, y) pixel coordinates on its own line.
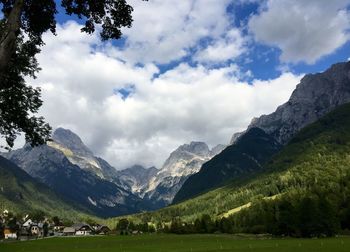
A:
(21, 30)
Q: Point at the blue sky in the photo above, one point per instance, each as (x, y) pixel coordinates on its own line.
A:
(264, 60)
(189, 70)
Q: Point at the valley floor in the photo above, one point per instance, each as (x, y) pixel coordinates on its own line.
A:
(179, 243)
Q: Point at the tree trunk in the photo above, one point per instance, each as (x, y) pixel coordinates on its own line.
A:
(9, 36)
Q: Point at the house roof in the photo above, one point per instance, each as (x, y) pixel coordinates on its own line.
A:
(79, 226)
(99, 228)
(27, 222)
(8, 231)
(69, 230)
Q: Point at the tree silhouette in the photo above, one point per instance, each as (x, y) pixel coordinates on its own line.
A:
(30, 19)
(19, 102)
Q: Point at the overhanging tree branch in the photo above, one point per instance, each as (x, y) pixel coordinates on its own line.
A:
(31, 18)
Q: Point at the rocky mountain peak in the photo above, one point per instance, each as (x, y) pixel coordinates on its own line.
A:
(316, 95)
(185, 152)
(71, 145)
(182, 162)
(198, 148)
(71, 141)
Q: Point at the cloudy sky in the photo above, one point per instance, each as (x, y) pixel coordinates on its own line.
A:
(187, 70)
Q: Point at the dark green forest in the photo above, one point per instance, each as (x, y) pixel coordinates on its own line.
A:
(304, 190)
(21, 194)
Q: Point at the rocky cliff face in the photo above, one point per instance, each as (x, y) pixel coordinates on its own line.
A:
(315, 96)
(79, 154)
(71, 141)
(136, 178)
(183, 162)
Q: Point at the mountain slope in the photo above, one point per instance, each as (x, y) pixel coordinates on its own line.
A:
(315, 96)
(316, 160)
(19, 192)
(79, 154)
(245, 157)
(80, 186)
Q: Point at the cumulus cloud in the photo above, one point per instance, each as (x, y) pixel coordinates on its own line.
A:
(228, 47)
(303, 30)
(163, 31)
(164, 110)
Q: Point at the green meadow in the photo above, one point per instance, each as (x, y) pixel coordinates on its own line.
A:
(177, 243)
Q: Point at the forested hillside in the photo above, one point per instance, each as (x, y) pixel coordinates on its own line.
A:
(304, 189)
(243, 159)
(20, 193)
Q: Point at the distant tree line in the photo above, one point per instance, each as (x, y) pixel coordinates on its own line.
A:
(308, 215)
(312, 213)
(126, 227)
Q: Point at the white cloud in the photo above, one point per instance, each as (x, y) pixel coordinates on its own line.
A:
(228, 47)
(183, 104)
(163, 31)
(303, 30)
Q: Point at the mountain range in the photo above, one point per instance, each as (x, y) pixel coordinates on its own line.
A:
(89, 183)
(307, 179)
(158, 187)
(69, 168)
(194, 174)
(315, 96)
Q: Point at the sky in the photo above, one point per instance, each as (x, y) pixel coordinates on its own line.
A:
(189, 70)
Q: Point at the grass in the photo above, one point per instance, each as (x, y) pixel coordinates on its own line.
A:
(177, 243)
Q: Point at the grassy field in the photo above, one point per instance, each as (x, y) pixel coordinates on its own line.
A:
(179, 243)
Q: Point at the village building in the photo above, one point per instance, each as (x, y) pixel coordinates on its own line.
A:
(8, 234)
(101, 229)
(68, 231)
(31, 230)
(82, 229)
(27, 223)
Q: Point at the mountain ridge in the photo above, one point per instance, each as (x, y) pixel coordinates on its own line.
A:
(181, 163)
(245, 157)
(20, 192)
(315, 96)
(315, 163)
(58, 167)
